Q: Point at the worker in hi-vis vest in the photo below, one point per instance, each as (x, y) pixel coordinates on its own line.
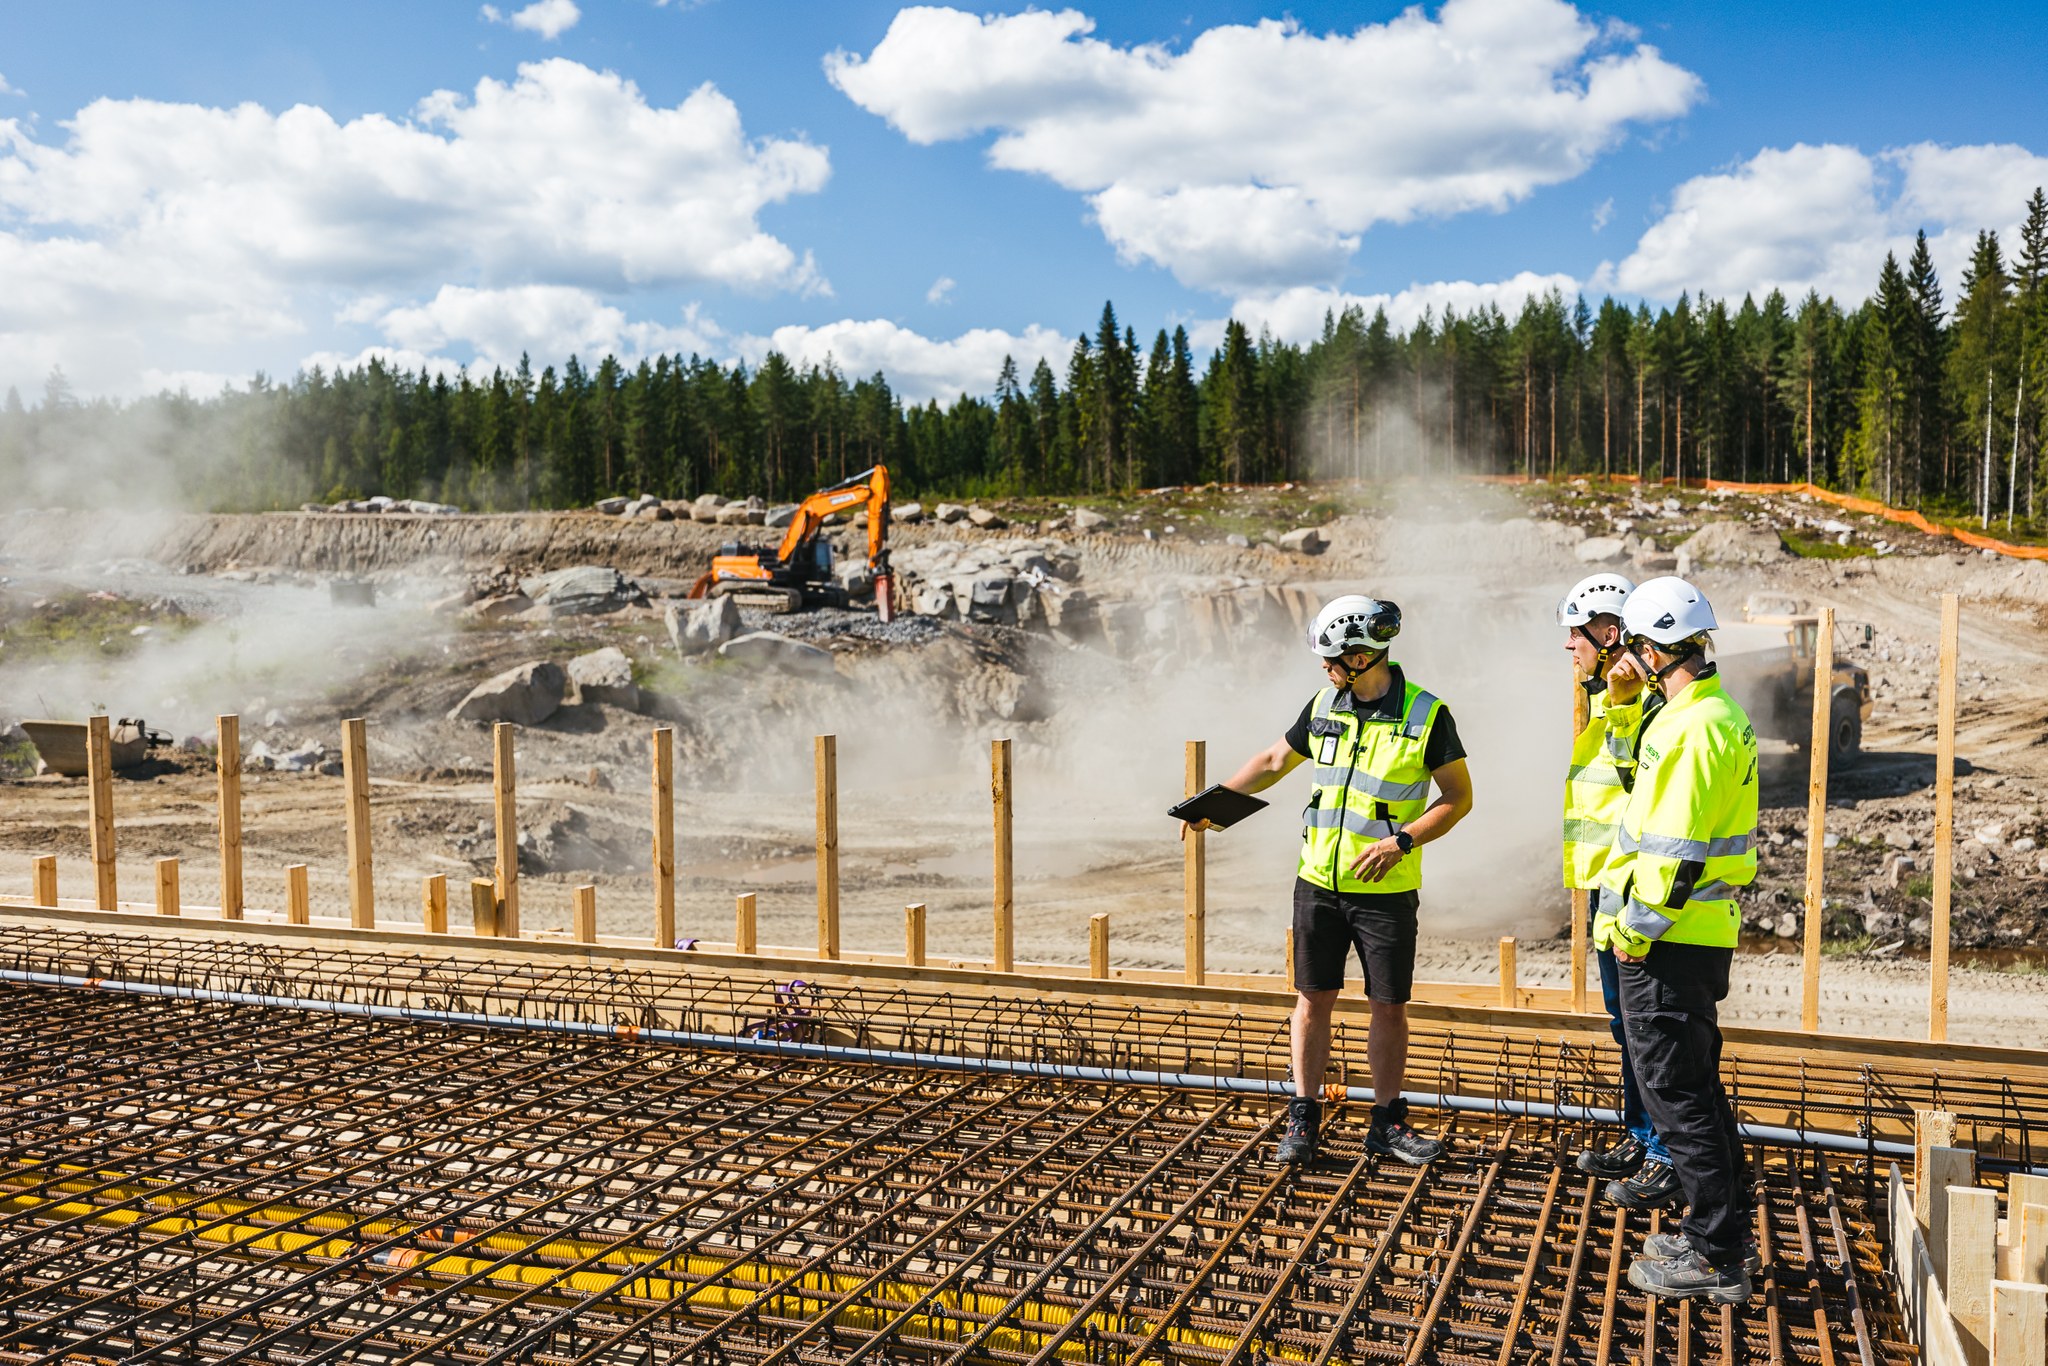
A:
(1687, 841)
(1377, 742)
(1637, 1169)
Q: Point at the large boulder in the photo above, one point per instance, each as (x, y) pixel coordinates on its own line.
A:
(766, 649)
(612, 507)
(526, 695)
(949, 512)
(991, 599)
(1600, 549)
(605, 676)
(1088, 519)
(698, 626)
(911, 512)
(584, 589)
(780, 516)
(984, 519)
(739, 514)
(1733, 543)
(1305, 540)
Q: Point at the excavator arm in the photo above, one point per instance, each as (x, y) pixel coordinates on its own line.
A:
(870, 487)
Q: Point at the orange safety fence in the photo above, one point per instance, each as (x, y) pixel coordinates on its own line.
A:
(1903, 516)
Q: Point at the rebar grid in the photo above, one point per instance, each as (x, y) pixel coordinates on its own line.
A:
(2001, 1108)
(202, 1183)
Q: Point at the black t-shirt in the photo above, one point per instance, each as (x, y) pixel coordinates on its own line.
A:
(1442, 745)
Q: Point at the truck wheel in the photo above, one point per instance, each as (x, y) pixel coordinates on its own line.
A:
(1845, 731)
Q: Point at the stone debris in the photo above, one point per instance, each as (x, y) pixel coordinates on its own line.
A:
(581, 591)
(984, 519)
(1088, 519)
(1305, 540)
(949, 513)
(694, 627)
(769, 650)
(605, 676)
(525, 695)
(911, 513)
(1600, 549)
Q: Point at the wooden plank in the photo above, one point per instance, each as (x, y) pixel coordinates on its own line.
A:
(227, 764)
(298, 897)
(43, 880)
(99, 769)
(2032, 1241)
(167, 887)
(1507, 972)
(743, 940)
(1817, 817)
(1926, 1311)
(2024, 1188)
(1005, 903)
(505, 809)
(2019, 1324)
(825, 757)
(583, 915)
(484, 920)
(665, 837)
(1946, 1168)
(1098, 946)
(1931, 1129)
(434, 903)
(1580, 903)
(1287, 969)
(1944, 820)
(913, 934)
(355, 776)
(1971, 1266)
(1194, 871)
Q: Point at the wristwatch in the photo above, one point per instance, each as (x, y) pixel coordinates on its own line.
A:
(1405, 840)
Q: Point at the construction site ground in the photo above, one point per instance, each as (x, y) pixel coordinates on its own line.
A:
(197, 615)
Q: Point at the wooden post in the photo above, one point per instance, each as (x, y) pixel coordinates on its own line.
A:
(1288, 967)
(1944, 820)
(583, 915)
(99, 769)
(1947, 1169)
(1507, 972)
(1193, 875)
(1931, 1129)
(167, 887)
(2019, 1324)
(743, 940)
(44, 880)
(434, 903)
(355, 774)
(1005, 905)
(505, 801)
(1581, 902)
(484, 921)
(227, 763)
(913, 934)
(298, 898)
(1098, 946)
(1817, 817)
(664, 837)
(825, 759)
(1972, 1265)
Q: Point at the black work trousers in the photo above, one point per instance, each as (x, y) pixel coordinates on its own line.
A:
(1670, 1006)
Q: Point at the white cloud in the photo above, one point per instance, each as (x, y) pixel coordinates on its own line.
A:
(1253, 159)
(6, 89)
(547, 322)
(161, 227)
(1296, 315)
(1603, 213)
(918, 367)
(941, 291)
(548, 18)
(1823, 217)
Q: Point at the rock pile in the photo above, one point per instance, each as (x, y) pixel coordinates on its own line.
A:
(583, 590)
(381, 504)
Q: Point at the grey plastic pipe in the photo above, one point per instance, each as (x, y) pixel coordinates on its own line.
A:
(946, 1062)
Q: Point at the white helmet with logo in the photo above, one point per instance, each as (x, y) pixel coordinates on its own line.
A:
(1352, 623)
(1591, 597)
(1667, 611)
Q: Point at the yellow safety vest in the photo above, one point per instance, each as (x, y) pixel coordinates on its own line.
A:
(1688, 829)
(1370, 782)
(1594, 795)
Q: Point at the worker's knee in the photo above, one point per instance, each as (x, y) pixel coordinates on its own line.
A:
(1387, 1013)
(1316, 1005)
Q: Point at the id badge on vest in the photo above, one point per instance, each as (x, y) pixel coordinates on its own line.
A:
(1328, 754)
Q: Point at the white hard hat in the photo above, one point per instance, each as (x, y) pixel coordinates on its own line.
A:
(1591, 596)
(1351, 623)
(1667, 611)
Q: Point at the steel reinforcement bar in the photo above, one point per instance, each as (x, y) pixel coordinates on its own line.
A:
(206, 1182)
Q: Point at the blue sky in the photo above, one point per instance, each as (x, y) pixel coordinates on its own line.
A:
(702, 176)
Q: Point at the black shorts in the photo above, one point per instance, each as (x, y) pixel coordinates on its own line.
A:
(1329, 925)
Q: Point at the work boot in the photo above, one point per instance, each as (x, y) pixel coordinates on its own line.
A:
(1665, 1246)
(1624, 1159)
(1655, 1186)
(1689, 1277)
(1299, 1137)
(1391, 1135)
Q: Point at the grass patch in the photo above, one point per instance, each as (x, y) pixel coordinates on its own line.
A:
(75, 623)
(1814, 548)
(1855, 943)
(1922, 887)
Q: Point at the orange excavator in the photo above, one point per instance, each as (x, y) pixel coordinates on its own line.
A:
(798, 573)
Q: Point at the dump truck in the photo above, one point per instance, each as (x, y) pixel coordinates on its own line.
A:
(1767, 662)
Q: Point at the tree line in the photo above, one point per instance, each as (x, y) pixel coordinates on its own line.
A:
(1918, 395)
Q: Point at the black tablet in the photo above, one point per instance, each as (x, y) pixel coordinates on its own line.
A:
(1218, 805)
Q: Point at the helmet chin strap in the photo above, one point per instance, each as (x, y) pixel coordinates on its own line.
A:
(1351, 675)
(1657, 675)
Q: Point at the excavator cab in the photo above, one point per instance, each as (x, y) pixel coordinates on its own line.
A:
(799, 572)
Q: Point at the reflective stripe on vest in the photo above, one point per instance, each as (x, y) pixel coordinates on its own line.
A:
(1371, 780)
(1594, 797)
